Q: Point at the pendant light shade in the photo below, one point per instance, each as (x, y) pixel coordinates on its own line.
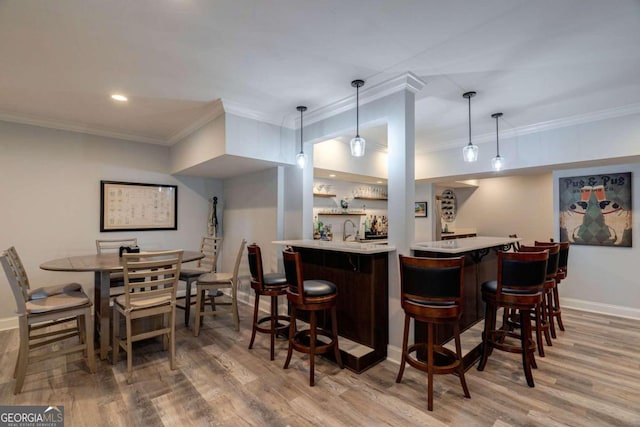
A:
(358, 143)
(470, 151)
(497, 163)
(301, 159)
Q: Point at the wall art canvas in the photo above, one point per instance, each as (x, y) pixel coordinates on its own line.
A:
(596, 209)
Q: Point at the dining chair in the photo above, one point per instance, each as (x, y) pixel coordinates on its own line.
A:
(213, 282)
(47, 315)
(150, 281)
(110, 246)
(210, 247)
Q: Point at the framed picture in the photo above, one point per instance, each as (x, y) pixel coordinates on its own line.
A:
(596, 209)
(130, 206)
(421, 209)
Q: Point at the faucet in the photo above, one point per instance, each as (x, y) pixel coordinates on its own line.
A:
(345, 236)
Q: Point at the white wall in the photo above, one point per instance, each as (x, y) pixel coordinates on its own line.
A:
(501, 206)
(251, 213)
(50, 188)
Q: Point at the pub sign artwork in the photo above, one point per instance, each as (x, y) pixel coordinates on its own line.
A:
(596, 209)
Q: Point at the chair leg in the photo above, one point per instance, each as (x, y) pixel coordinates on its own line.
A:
(557, 312)
(273, 320)
(539, 330)
(405, 338)
(463, 382)
(234, 307)
(525, 339)
(172, 338)
(312, 350)
(115, 336)
(552, 325)
(544, 314)
(23, 354)
(489, 326)
(199, 303)
(292, 335)
(430, 366)
(334, 329)
(129, 350)
(256, 303)
(187, 303)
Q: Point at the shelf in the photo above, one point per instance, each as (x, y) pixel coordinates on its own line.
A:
(370, 198)
(340, 214)
(323, 195)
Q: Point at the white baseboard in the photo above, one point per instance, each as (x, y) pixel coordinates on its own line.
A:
(596, 307)
(8, 323)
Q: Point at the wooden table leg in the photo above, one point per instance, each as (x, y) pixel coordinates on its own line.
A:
(102, 283)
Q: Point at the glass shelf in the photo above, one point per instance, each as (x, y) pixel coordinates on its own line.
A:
(340, 213)
(323, 195)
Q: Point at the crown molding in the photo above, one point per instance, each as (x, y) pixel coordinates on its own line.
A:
(564, 122)
(242, 110)
(406, 81)
(216, 110)
(77, 127)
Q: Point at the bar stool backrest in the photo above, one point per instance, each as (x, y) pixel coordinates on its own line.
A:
(521, 271)
(255, 266)
(425, 281)
(563, 257)
(293, 271)
(554, 256)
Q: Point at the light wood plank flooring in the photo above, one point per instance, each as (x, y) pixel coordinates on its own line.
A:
(590, 377)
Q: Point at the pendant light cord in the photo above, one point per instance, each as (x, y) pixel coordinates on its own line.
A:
(469, 98)
(497, 138)
(301, 130)
(358, 111)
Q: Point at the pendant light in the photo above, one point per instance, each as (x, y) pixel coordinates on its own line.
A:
(358, 143)
(497, 163)
(301, 160)
(470, 151)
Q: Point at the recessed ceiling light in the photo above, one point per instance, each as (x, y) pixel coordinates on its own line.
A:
(119, 97)
(333, 175)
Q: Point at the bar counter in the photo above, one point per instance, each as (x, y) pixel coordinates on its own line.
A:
(361, 273)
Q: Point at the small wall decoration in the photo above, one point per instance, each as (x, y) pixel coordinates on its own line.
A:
(596, 209)
(137, 207)
(421, 209)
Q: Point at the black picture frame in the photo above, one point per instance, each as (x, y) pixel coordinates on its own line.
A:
(421, 209)
(134, 206)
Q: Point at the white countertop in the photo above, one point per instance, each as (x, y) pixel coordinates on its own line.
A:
(468, 244)
(339, 246)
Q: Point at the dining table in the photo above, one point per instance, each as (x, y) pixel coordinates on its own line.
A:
(102, 265)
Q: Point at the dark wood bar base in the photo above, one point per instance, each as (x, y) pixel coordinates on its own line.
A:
(479, 266)
(362, 305)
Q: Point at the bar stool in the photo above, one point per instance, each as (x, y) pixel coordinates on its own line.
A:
(311, 296)
(563, 260)
(431, 291)
(272, 285)
(520, 286)
(543, 318)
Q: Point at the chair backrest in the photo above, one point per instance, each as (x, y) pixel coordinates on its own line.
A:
(293, 272)
(521, 271)
(16, 281)
(255, 266)
(236, 268)
(21, 273)
(431, 280)
(105, 246)
(210, 247)
(150, 275)
(563, 258)
(554, 256)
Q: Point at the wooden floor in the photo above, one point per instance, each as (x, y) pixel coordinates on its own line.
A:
(590, 377)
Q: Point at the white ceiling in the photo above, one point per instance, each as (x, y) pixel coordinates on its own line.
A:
(536, 61)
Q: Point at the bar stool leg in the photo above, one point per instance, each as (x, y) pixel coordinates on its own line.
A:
(274, 320)
(528, 357)
(312, 345)
(463, 382)
(292, 336)
(405, 339)
(256, 304)
(334, 329)
(430, 367)
(557, 313)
